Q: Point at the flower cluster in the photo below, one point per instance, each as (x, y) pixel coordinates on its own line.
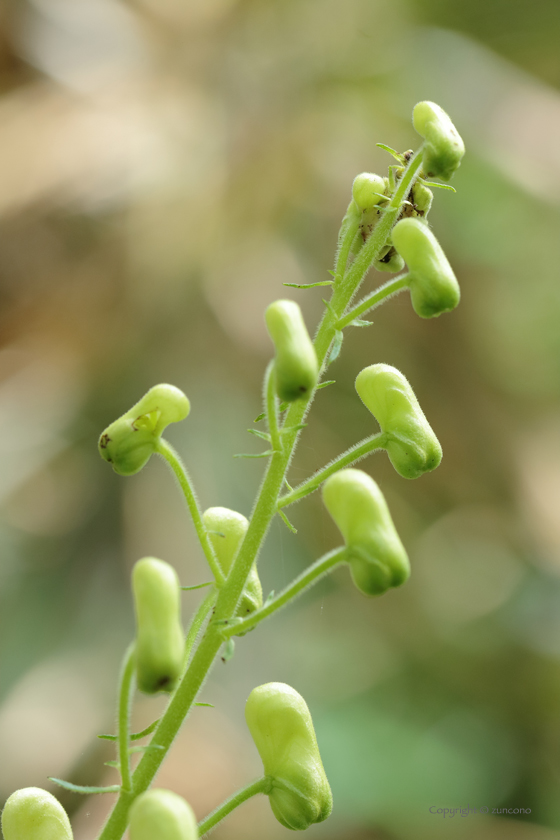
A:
(385, 227)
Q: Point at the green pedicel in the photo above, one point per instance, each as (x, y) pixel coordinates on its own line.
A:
(444, 148)
(162, 815)
(226, 529)
(282, 729)
(34, 814)
(411, 444)
(433, 286)
(129, 442)
(159, 637)
(295, 365)
(377, 558)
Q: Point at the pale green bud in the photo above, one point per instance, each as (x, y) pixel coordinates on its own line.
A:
(433, 286)
(411, 443)
(421, 197)
(443, 147)
(159, 635)
(378, 560)
(389, 260)
(367, 188)
(160, 814)
(34, 814)
(227, 529)
(129, 442)
(295, 365)
(282, 729)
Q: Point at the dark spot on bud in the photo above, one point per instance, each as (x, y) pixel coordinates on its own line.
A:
(105, 439)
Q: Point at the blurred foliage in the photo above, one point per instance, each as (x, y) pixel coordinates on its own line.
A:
(165, 167)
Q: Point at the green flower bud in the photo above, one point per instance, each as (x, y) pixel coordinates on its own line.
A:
(130, 441)
(227, 528)
(366, 190)
(160, 814)
(376, 555)
(389, 260)
(34, 814)
(421, 198)
(282, 729)
(443, 147)
(411, 443)
(296, 361)
(159, 635)
(433, 286)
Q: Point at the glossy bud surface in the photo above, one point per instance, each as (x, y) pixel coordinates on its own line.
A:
(377, 558)
(412, 445)
(281, 726)
(443, 147)
(33, 814)
(367, 189)
(159, 635)
(227, 528)
(160, 814)
(295, 366)
(129, 442)
(433, 286)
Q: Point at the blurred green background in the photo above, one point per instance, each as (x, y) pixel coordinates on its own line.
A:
(165, 165)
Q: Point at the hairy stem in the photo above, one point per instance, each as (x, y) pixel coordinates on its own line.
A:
(271, 405)
(380, 295)
(346, 243)
(307, 578)
(351, 456)
(382, 230)
(125, 700)
(173, 459)
(261, 786)
(264, 510)
(197, 622)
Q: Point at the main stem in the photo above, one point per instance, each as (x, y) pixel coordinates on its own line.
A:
(263, 513)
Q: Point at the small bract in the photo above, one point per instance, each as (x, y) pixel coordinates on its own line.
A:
(129, 442)
(226, 529)
(411, 443)
(34, 814)
(159, 636)
(159, 814)
(295, 366)
(433, 286)
(443, 147)
(377, 558)
(281, 726)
